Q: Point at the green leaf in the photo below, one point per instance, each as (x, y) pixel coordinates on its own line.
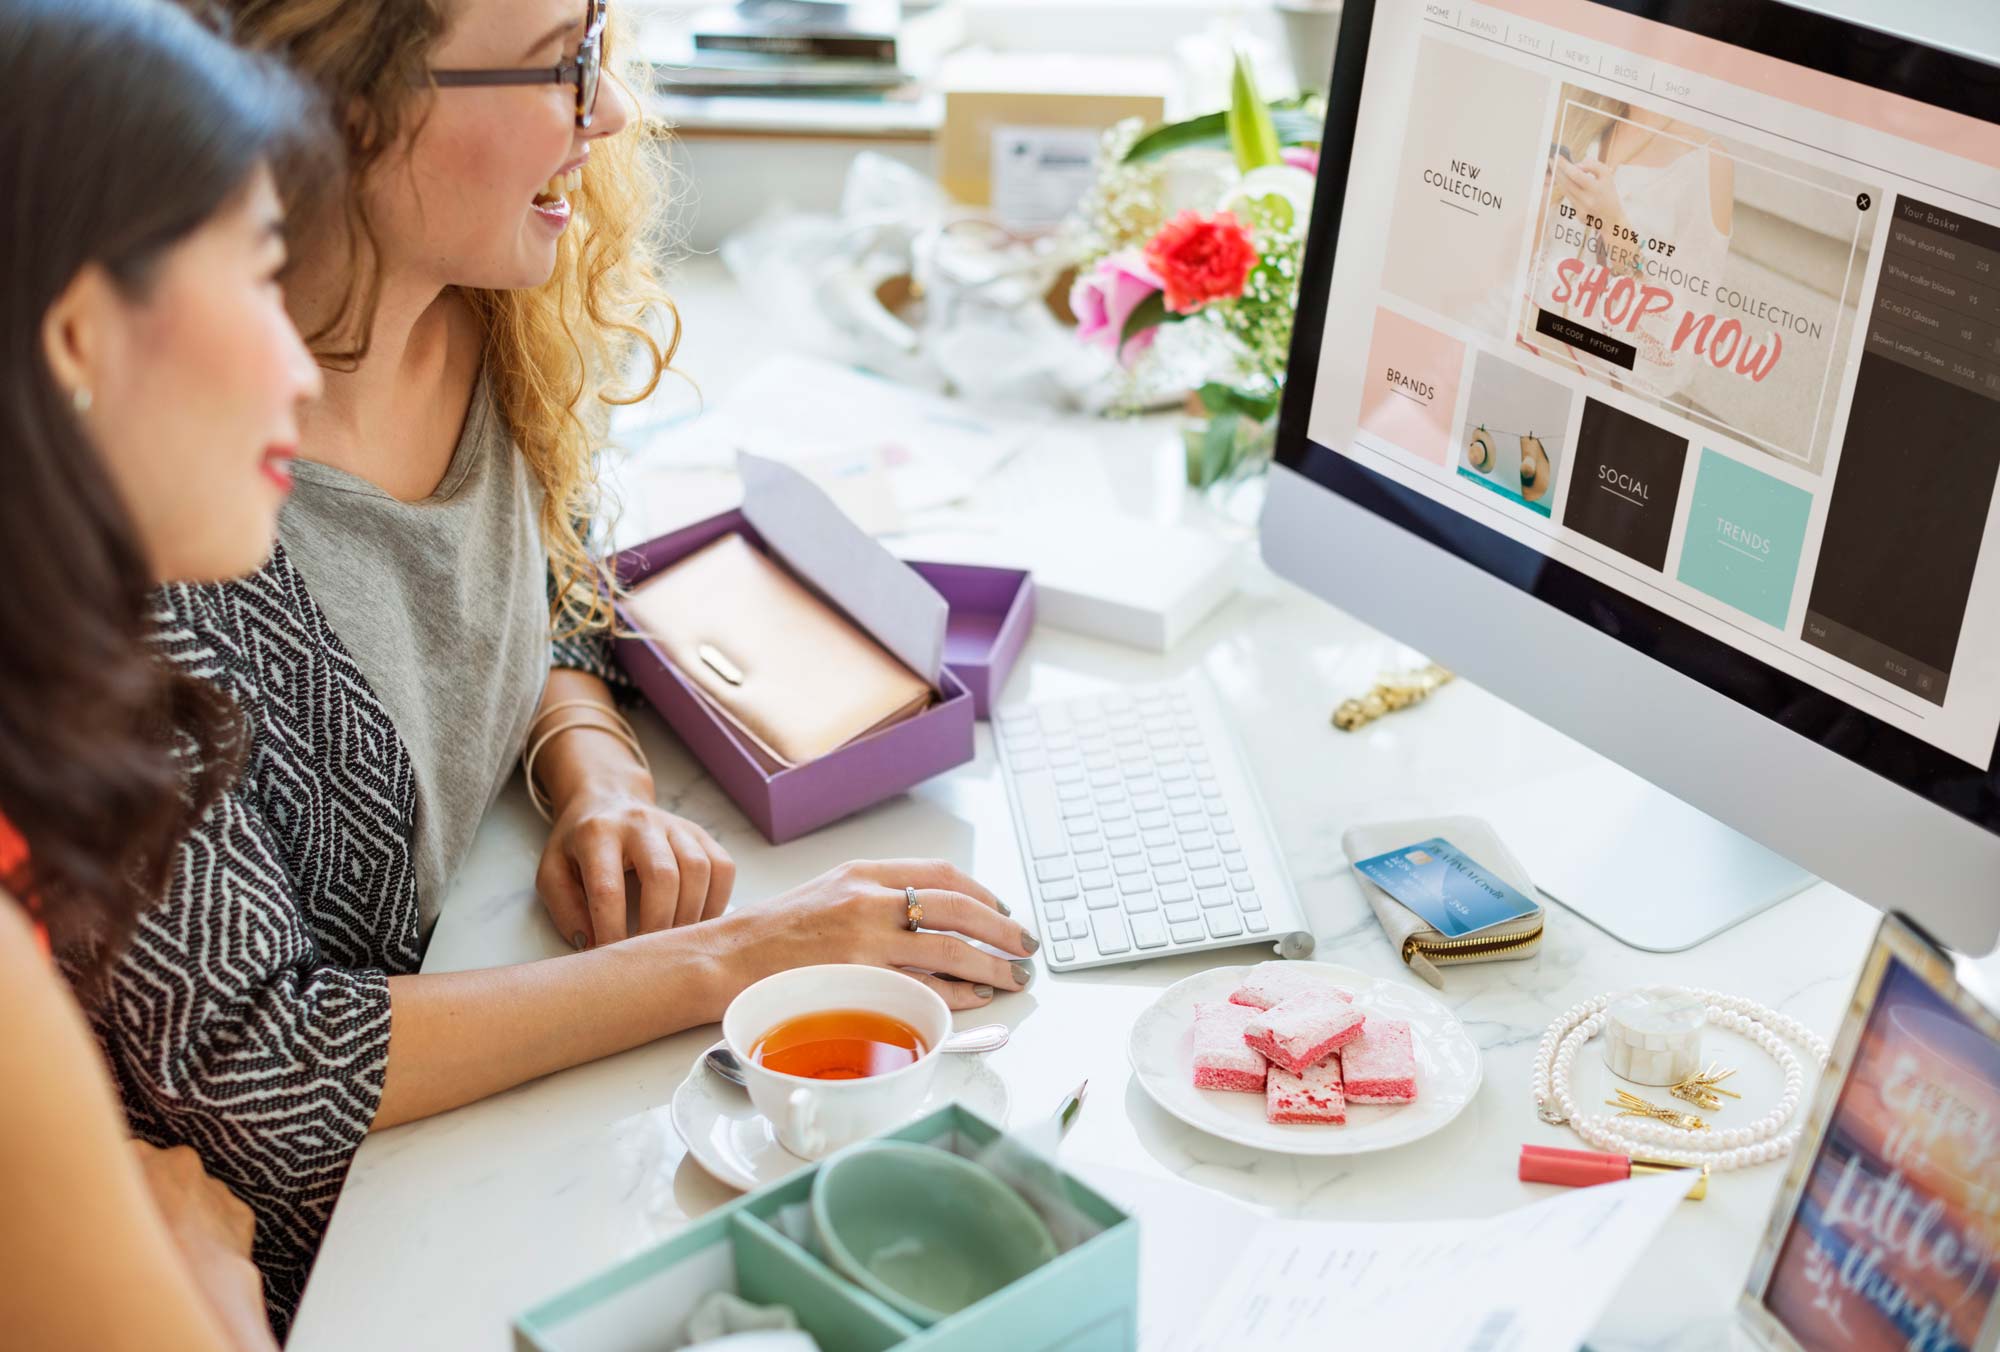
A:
(1218, 447)
(1148, 313)
(1294, 126)
(1251, 135)
(1219, 399)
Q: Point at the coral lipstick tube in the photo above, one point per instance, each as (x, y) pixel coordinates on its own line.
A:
(1582, 1168)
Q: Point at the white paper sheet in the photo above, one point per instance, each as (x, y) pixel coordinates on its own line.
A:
(1532, 1280)
(802, 526)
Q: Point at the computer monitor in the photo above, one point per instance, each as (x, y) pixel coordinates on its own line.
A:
(1647, 372)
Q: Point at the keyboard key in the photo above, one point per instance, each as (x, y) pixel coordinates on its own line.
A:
(1091, 842)
(1188, 823)
(1135, 882)
(1178, 794)
(1195, 840)
(1116, 812)
(1257, 922)
(1169, 873)
(1241, 882)
(1249, 901)
(1065, 952)
(1175, 891)
(1111, 795)
(1148, 802)
(1107, 930)
(1129, 866)
(1048, 870)
(1149, 931)
(1159, 835)
(1236, 863)
(1156, 820)
(1228, 842)
(1065, 757)
(1123, 848)
(1106, 900)
(1141, 902)
(1069, 774)
(1214, 896)
(1174, 774)
(1163, 856)
(1055, 908)
(1042, 816)
(1097, 877)
(1120, 830)
(1204, 859)
(1061, 890)
(1092, 861)
(1182, 912)
(1209, 877)
(1073, 793)
(1188, 933)
(1224, 924)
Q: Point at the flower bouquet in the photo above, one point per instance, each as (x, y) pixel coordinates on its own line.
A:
(1191, 240)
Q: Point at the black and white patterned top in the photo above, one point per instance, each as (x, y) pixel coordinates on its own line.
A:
(249, 1017)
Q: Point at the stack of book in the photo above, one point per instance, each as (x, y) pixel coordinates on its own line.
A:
(816, 47)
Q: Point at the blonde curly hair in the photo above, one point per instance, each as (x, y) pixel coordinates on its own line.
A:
(600, 332)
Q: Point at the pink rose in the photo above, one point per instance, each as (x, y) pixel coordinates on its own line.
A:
(1104, 298)
(1301, 157)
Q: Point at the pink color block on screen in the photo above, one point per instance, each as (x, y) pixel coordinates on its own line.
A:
(1411, 387)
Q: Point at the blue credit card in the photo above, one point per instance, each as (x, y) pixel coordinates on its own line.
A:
(1446, 887)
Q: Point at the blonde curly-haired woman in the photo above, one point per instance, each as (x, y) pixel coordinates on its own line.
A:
(432, 609)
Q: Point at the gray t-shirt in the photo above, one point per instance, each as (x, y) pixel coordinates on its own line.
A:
(443, 604)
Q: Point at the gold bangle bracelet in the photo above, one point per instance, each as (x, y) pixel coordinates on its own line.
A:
(621, 730)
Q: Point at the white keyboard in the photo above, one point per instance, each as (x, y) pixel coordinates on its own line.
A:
(1141, 831)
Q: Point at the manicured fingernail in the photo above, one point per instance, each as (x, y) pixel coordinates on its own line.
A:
(1005, 909)
(983, 992)
(1029, 943)
(576, 941)
(1024, 973)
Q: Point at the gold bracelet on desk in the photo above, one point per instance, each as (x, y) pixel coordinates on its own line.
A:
(1399, 692)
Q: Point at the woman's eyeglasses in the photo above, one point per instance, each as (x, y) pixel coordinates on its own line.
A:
(583, 69)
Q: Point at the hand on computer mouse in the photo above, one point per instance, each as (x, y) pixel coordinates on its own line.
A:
(861, 912)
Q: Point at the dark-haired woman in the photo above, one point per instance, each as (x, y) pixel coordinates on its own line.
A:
(149, 385)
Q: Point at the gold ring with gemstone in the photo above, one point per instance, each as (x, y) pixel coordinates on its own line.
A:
(913, 910)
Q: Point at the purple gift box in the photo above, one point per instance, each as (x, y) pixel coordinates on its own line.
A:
(991, 611)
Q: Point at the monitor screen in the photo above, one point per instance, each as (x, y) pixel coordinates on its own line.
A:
(1695, 334)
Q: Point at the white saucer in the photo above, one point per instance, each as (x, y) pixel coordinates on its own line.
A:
(1447, 1068)
(733, 1141)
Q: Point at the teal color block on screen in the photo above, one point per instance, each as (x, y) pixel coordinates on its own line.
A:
(1745, 532)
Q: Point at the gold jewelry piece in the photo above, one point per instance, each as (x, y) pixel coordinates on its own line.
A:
(1398, 692)
(913, 910)
(1631, 1105)
(618, 728)
(1704, 1089)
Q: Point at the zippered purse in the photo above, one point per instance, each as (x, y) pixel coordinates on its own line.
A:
(1422, 948)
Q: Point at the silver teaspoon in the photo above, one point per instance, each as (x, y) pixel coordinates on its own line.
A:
(985, 1038)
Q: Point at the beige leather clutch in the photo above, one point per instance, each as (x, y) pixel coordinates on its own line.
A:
(790, 673)
(1425, 951)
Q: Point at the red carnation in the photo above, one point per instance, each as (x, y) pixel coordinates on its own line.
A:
(1201, 260)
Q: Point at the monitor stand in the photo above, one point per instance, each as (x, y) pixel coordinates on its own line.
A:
(1637, 862)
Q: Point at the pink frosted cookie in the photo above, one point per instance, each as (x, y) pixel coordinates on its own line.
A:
(1272, 982)
(1221, 1059)
(1304, 1029)
(1380, 1066)
(1313, 1097)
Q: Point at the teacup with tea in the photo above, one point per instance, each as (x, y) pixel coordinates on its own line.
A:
(835, 1053)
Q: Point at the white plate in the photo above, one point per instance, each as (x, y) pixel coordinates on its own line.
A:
(733, 1141)
(1447, 1068)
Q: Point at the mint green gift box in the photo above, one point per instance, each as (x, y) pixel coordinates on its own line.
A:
(1086, 1300)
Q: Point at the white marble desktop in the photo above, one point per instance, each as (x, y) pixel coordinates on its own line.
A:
(449, 1227)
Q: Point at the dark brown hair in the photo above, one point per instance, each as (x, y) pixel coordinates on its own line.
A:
(130, 125)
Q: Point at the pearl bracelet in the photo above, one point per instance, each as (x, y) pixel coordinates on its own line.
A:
(1770, 1137)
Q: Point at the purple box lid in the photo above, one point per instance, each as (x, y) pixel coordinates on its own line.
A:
(788, 802)
(992, 611)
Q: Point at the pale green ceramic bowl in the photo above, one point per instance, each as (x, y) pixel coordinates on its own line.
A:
(925, 1230)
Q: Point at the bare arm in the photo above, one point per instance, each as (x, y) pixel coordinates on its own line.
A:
(86, 1258)
(459, 1036)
